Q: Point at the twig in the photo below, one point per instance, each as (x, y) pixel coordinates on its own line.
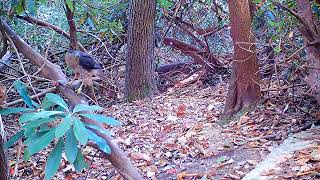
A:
(50, 90)
(301, 19)
(45, 56)
(21, 65)
(282, 88)
(17, 160)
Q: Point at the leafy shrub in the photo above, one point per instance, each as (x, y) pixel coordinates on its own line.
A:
(52, 121)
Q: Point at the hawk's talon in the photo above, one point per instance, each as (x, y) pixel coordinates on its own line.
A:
(79, 89)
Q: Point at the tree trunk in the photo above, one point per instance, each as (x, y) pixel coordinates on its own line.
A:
(140, 58)
(3, 162)
(243, 89)
(3, 158)
(312, 52)
(72, 26)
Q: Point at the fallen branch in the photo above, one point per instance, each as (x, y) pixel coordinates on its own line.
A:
(208, 60)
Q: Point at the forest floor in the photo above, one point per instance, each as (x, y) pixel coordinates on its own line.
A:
(182, 135)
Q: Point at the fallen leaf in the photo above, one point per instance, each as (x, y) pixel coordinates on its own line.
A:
(140, 156)
(243, 120)
(181, 110)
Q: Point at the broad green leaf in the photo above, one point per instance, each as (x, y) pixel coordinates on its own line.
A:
(19, 8)
(37, 123)
(21, 88)
(44, 127)
(70, 5)
(32, 7)
(14, 3)
(13, 110)
(80, 131)
(37, 115)
(80, 163)
(29, 132)
(57, 100)
(14, 139)
(102, 144)
(64, 126)
(42, 142)
(108, 120)
(54, 160)
(71, 146)
(34, 137)
(84, 107)
(104, 131)
(26, 154)
(47, 104)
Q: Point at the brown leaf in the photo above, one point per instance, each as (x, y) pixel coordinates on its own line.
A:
(140, 156)
(181, 110)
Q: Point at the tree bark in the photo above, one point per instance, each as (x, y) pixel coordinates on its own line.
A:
(54, 72)
(72, 26)
(312, 52)
(3, 160)
(243, 88)
(140, 82)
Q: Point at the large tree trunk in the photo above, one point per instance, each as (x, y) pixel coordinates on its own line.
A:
(243, 89)
(140, 58)
(310, 34)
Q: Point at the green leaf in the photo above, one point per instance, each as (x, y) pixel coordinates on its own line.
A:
(32, 7)
(42, 142)
(26, 154)
(13, 110)
(70, 4)
(80, 131)
(71, 146)
(108, 120)
(44, 127)
(14, 139)
(37, 123)
(19, 8)
(29, 132)
(104, 131)
(54, 160)
(14, 3)
(64, 126)
(34, 137)
(80, 163)
(37, 115)
(47, 104)
(57, 100)
(21, 88)
(102, 144)
(84, 107)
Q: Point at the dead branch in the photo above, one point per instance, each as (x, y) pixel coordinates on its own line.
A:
(45, 24)
(200, 57)
(43, 93)
(6, 58)
(5, 44)
(54, 72)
